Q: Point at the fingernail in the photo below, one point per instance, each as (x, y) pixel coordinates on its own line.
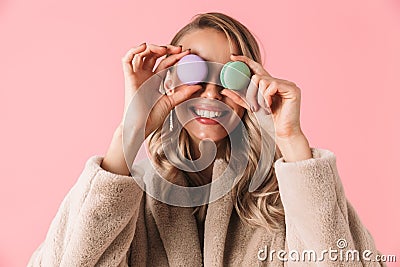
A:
(252, 108)
(142, 44)
(163, 46)
(234, 54)
(187, 50)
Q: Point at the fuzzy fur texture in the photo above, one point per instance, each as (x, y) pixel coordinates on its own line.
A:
(107, 220)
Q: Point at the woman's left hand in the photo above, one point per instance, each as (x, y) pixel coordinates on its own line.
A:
(281, 98)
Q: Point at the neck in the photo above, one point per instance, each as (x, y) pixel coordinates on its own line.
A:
(206, 174)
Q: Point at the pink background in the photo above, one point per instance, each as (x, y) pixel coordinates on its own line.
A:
(61, 93)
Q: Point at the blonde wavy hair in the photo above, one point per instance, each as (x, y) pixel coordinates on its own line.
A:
(262, 207)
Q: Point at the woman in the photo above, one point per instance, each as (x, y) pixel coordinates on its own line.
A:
(107, 220)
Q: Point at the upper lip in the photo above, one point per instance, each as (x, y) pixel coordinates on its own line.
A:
(211, 105)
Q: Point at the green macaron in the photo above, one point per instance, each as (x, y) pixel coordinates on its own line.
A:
(235, 75)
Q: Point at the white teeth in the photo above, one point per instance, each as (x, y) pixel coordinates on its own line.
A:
(207, 113)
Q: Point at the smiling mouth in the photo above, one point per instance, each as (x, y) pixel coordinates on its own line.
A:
(208, 114)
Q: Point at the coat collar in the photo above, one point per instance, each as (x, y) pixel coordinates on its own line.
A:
(178, 229)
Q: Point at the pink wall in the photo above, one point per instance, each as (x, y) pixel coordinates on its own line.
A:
(61, 95)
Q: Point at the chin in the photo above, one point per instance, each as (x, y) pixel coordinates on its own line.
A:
(214, 133)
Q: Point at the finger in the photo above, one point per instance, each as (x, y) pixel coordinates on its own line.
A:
(173, 49)
(171, 60)
(128, 57)
(270, 91)
(183, 94)
(256, 67)
(153, 53)
(262, 86)
(251, 94)
(235, 98)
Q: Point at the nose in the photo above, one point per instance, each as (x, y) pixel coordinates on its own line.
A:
(211, 91)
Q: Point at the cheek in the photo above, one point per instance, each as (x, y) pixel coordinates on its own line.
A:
(239, 110)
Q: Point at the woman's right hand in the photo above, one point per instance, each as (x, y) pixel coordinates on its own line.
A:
(138, 66)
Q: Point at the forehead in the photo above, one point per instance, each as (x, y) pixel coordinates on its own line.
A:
(209, 44)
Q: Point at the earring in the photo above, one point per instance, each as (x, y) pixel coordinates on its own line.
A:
(171, 122)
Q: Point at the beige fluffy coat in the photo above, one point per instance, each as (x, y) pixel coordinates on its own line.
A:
(107, 220)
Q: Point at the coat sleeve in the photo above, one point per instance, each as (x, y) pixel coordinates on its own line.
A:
(317, 214)
(95, 223)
